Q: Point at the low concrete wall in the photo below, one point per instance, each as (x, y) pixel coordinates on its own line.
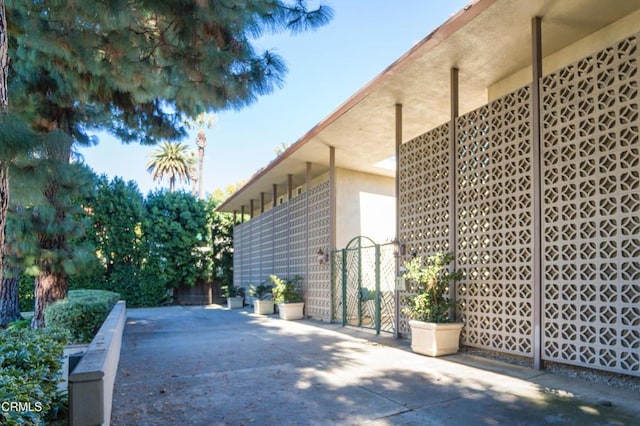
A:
(91, 382)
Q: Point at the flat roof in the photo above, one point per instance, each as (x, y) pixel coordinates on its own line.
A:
(487, 41)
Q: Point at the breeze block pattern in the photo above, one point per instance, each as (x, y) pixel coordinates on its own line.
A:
(495, 224)
(591, 211)
(589, 192)
(284, 241)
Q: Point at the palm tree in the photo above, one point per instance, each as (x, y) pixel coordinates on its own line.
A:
(170, 160)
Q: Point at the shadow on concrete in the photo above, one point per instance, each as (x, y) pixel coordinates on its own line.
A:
(209, 366)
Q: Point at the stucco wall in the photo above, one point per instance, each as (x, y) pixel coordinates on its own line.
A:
(365, 205)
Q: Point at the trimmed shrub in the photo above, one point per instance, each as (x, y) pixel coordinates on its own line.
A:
(81, 313)
(138, 287)
(30, 366)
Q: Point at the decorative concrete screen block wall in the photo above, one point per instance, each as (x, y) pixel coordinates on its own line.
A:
(590, 214)
(284, 241)
(495, 224)
(424, 196)
(241, 253)
(255, 260)
(424, 192)
(591, 211)
(281, 240)
(297, 257)
(267, 243)
(318, 289)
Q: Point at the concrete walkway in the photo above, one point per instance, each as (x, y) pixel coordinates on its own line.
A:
(214, 366)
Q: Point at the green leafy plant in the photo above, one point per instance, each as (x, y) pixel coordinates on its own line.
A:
(231, 290)
(261, 291)
(82, 313)
(433, 278)
(286, 290)
(179, 234)
(30, 366)
(367, 294)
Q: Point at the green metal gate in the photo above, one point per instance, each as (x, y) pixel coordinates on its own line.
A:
(363, 279)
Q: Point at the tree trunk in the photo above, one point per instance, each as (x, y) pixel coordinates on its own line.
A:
(4, 60)
(4, 103)
(4, 207)
(49, 287)
(9, 298)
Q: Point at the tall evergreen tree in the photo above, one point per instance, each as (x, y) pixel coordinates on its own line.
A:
(170, 160)
(4, 60)
(59, 225)
(15, 140)
(117, 213)
(178, 225)
(48, 235)
(17, 243)
(222, 236)
(139, 68)
(8, 293)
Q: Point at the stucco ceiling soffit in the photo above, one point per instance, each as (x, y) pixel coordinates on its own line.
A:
(488, 41)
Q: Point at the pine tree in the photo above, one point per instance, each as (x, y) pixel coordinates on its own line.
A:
(46, 231)
(59, 225)
(138, 68)
(4, 60)
(8, 293)
(16, 140)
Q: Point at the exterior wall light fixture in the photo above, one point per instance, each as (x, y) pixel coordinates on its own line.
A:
(399, 249)
(322, 257)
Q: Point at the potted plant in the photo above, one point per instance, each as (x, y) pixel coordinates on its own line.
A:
(433, 331)
(262, 299)
(234, 295)
(286, 294)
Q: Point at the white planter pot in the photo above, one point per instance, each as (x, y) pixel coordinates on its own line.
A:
(263, 307)
(234, 302)
(291, 311)
(433, 339)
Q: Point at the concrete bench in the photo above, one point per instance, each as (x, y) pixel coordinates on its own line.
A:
(91, 381)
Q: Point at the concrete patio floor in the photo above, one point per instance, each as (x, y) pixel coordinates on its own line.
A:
(208, 365)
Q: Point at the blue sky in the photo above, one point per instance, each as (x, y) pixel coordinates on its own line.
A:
(326, 67)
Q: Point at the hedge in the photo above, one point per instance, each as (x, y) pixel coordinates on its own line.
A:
(81, 313)
(30, 366)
